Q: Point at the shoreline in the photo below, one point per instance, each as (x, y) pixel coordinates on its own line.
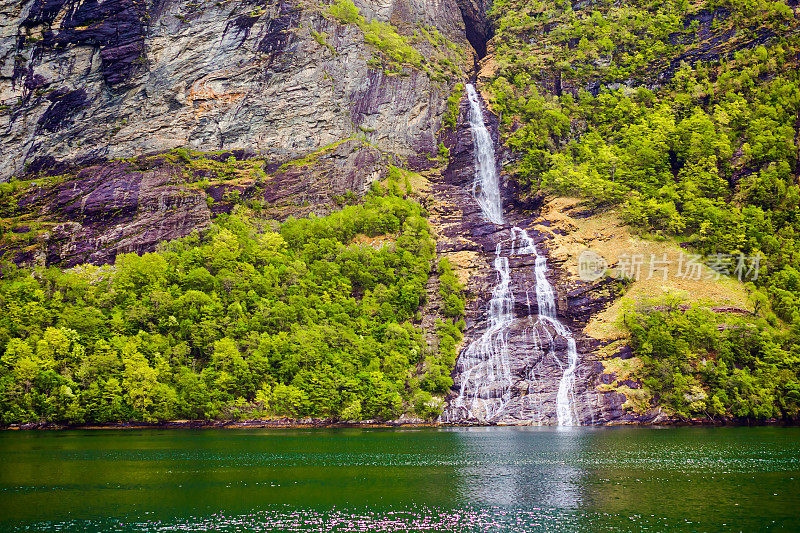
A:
(288, 423)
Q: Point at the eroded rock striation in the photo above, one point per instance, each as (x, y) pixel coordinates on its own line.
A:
(84, 79)
(92, 92)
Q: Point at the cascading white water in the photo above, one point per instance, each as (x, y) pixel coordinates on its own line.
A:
(486, 384)
(486, 187)
(545, 299)
(486, 378)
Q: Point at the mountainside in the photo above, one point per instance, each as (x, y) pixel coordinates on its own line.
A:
(681, 119)
(655, 144)
(87, 86)
(130, 125)
(85, 80)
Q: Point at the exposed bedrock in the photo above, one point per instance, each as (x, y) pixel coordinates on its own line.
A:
(84, 84)
(110, 209)
(536, 366)
(477, 26)
(99, 210)
(84, 79)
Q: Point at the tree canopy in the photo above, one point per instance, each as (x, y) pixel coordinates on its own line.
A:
(686, 116)
(316, 317)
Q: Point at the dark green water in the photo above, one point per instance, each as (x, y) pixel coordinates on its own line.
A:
(476, 479)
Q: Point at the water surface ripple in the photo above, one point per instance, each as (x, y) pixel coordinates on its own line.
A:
(454, 479)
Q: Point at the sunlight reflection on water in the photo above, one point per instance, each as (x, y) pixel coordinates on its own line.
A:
(457, 479)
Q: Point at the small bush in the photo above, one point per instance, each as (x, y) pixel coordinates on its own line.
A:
(453, 106)
(346, 12)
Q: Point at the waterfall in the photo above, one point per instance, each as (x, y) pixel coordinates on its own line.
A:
(486, 187)
(546, 301)
(484, 367)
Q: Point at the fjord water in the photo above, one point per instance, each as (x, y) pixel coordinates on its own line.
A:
(484, 372)
(455, 479)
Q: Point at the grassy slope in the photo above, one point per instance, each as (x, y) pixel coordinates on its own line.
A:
(607, 234)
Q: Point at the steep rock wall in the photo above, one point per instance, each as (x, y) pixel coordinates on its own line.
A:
(81, 79)
(92, 92)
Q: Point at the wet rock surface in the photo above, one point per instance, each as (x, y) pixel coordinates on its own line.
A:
(536, 367)
(477, 25)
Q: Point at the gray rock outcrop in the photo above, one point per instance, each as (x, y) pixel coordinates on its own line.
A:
(82, 79)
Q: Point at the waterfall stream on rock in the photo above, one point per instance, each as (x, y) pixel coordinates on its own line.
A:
(484, 368)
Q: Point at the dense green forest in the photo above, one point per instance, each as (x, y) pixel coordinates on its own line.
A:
(701, 363)
(686, 115)
(316, 317)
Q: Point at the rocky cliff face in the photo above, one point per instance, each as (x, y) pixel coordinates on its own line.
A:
(477, 26)
(111, 209)
(81, 79)
(89, 90)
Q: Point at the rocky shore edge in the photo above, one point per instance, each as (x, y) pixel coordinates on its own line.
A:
(329, 423)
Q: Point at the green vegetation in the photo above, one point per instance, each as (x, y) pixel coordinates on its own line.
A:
(396, 51)
(313, 157)
(211, 165)
(393, 47)
(701, 151)
(346, 12)
(453, 106)
(19, 230)
(384, 37)
(700, 363)
(322, 40)
(443, 153)
(313, 317)
(437, 376)
(8, 198)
